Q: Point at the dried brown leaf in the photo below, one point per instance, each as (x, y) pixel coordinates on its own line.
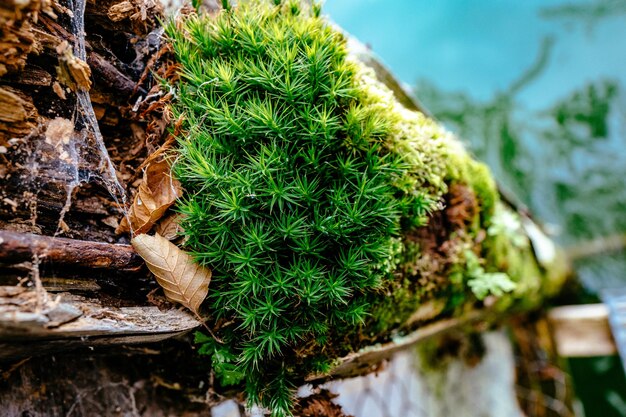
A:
(156, 193)
(183, 280)
(169, 227)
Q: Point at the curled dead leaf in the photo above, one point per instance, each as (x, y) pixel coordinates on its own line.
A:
(183, 280)
(156, 193)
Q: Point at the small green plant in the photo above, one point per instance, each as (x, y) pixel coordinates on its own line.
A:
(302, 175)
(484, 283)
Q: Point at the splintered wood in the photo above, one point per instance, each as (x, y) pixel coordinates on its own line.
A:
(72, 71)
(70, 321)
(18, 115)
(16, 38)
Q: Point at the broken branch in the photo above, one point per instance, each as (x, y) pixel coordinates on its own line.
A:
(22, 247)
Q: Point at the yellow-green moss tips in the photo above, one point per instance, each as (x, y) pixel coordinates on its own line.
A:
(303, 178)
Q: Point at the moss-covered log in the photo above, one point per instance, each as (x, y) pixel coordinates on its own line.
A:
(334, 214)
(328, 211)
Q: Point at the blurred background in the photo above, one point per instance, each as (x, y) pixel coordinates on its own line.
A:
(536, 89)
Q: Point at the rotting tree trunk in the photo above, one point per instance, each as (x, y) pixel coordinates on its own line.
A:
(69, 103)
(76, 304)
(67, 281)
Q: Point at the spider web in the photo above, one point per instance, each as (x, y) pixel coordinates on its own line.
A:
(69, 151)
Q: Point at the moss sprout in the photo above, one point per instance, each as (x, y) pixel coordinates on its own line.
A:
(302, 177)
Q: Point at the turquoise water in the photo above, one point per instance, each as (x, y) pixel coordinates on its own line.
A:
(481, 46)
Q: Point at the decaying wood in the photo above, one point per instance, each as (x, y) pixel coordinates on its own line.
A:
(107, 71)
(138, 16)
(31, 327)
(582, 330)
(38, 71)
(16, 38)
(18, 115)
(319, 404)
(92, 298)
(23, 247)
(72, 71)
(110, 299)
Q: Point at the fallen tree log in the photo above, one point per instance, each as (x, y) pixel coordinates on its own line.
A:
(80, 285)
